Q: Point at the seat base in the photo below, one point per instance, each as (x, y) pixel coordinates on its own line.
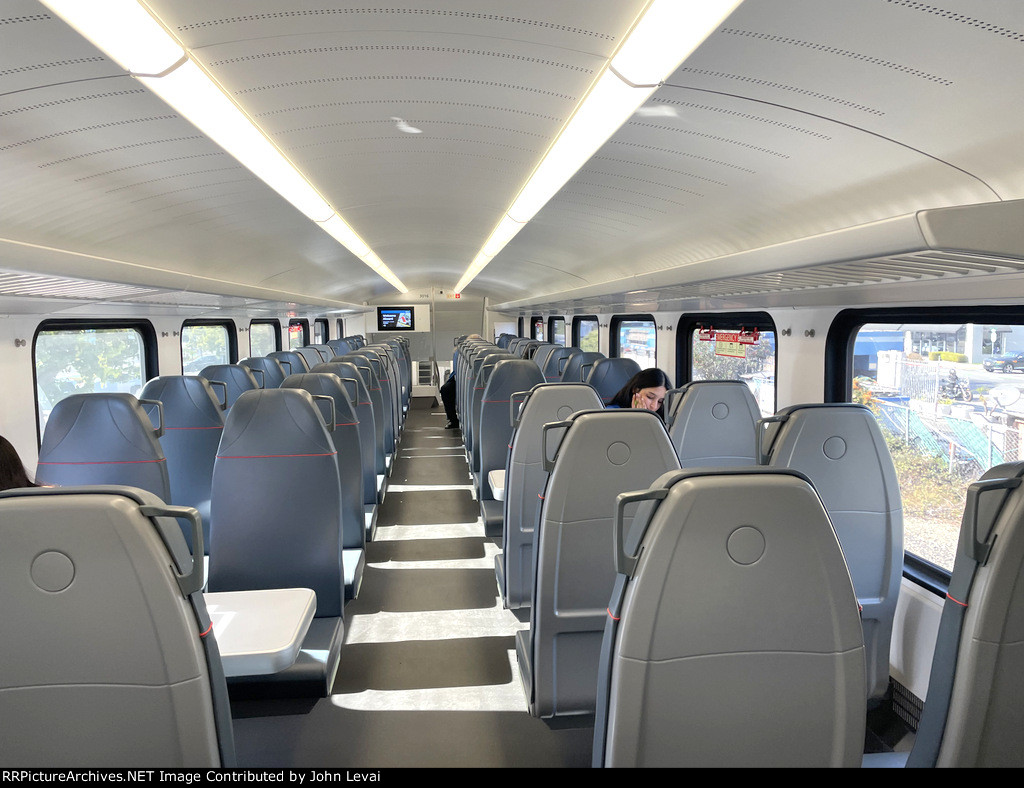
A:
(311, 676)
(493, 515)
(353, 561)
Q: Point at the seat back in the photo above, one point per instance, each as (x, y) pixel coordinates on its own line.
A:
(602, 454)
(507, 378)
(311, 355)
(840, 448)
(483, 367)
(292, 362)
(105, 642)
(269, 372)
(103, 438)
(526, 478)
(738, 640)
(381, 370)
(972, 714)
(381, 419)
(359, 396)
(193, 424)
(275, 444)
(609, 375)
(542, 352)
(326, 351)
(579, 366)
(236, 378)
(346, 440)
(341, 346)
(556, 361)
(713, 423)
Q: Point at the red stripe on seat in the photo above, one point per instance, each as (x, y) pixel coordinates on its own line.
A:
(268, 456)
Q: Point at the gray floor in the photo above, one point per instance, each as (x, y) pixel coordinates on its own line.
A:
(428, 674)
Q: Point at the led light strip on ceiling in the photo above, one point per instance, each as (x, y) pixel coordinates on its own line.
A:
(136, 40)
(661, 39)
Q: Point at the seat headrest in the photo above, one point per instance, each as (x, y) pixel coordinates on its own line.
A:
(101, 427)
(275, 423)
(329, 385)
(188, 401)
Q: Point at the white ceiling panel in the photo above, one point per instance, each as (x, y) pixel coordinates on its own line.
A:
(796, 118)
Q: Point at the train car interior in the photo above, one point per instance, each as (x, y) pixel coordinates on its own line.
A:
(330, 338)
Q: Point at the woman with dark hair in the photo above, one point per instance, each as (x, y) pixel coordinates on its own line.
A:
(12, 471)
(645, 390)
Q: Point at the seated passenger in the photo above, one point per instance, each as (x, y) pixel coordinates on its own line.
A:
(12, 470)
(646, 390)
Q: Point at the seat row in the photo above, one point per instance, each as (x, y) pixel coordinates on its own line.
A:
(313, 436)
(824, 506)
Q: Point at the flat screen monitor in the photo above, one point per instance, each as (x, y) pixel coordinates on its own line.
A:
(396, 318)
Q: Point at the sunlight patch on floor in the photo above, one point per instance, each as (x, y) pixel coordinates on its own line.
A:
(388, 627)
(502, 697)
(396, 533)
(485, 562)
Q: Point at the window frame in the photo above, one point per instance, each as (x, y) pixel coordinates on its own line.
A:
(266, 321)
(614, 347)
(730, 321)
(577, 321)
(341, 328)
(522, 325)
(304, 323)
(326, 325)
(552, 320)
(839, 346)
(534, 320)
(228, 325)
(150, 351)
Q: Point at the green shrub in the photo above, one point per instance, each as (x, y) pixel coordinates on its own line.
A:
(934, 355)
(947, 355)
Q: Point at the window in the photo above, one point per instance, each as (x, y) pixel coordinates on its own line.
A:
(537, 327)
(71, 357)
(636, 337)
(556, 330)
(731, 346)
(584, 334)
(206, 343)
(946, 388)
(341, 328)
(264, 337)
(321, 331)
(298, 333)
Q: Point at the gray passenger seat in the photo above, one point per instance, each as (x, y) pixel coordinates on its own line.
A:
(373, 453)
(525, 480)
(235, 377)
(193, 424)
(103, 438)
(269, 371)
(603, 453)
(609, 375)
(106, 653)
(495, 431)
(345, 437)
(276, 448)
(973, 716)
(713, 423)
(840, 448)
(733, 636)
